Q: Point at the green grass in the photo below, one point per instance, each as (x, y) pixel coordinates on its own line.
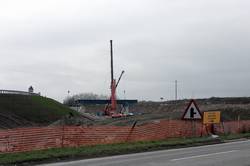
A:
(95, 151)
(235, 136)
(51, 155)
(35, 109)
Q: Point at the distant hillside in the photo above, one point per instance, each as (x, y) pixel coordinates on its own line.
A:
(27, 110)
(232, 108)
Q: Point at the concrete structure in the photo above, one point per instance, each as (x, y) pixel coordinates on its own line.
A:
(4, 91)
(31, 89)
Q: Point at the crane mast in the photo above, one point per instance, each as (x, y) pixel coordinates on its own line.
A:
(113, 82)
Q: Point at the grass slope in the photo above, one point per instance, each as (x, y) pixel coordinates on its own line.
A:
(33, 109)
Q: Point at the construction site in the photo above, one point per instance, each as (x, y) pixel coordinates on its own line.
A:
(29, 121)
(35, 129)
(125, 83)
(28, 109)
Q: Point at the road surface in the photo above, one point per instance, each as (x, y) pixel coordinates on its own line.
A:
(227, 154)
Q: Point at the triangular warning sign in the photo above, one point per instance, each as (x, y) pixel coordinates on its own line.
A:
(192, 111)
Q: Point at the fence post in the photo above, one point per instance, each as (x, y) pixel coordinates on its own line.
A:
(239, 123)
(8, 142)
(131, 130)
(62, 137)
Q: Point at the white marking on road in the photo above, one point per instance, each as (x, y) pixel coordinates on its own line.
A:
(204, 155)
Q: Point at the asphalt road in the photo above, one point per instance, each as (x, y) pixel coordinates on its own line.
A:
(227, 154)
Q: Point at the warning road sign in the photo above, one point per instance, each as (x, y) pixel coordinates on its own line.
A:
(192, 112)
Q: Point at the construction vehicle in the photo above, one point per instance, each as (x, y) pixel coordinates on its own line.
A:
(111, 109)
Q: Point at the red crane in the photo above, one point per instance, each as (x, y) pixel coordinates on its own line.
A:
(111, 110)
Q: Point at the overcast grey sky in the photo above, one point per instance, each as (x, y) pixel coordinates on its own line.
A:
(61, 45)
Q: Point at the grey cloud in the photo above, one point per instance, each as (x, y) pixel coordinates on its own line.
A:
(64, 45)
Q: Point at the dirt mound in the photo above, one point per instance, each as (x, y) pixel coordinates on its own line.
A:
(146, 111)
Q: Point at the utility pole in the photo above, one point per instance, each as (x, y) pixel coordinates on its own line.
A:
(176, 90)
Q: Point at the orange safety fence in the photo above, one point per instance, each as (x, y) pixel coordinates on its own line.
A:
(37, 138)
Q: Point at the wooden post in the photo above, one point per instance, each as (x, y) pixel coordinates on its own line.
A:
(239, 123)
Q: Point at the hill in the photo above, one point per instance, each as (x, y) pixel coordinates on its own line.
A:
(27, 110)
(232, 108)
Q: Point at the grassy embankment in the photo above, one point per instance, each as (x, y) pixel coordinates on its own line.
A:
(25, 110)
(52, 155)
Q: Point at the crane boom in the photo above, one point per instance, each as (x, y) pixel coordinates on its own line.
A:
(119, 78)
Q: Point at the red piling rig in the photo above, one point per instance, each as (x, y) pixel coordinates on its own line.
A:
(113, 95)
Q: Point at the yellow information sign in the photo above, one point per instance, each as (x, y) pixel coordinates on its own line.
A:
(211, 117)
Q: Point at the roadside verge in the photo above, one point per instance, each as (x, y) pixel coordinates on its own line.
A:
(84, 152)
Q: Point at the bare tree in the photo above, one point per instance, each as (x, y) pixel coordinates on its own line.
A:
(70, 100)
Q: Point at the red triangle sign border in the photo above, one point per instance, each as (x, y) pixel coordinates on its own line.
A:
(190, 103)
